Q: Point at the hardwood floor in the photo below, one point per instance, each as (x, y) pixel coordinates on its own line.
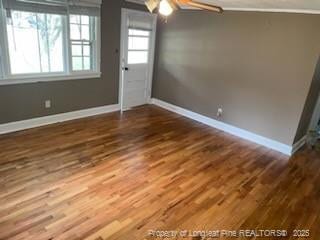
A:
(118, 176)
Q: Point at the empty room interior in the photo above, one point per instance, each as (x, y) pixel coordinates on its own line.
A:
(159, 119)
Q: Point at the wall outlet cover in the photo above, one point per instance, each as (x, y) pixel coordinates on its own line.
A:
(47, 104)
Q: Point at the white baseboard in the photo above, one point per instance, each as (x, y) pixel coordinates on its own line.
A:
(299, 144)
(275, 145)
(41, 121)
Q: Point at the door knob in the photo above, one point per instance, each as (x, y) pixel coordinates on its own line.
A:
(125, 69)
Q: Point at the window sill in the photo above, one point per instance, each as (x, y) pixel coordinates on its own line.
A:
(38, 79)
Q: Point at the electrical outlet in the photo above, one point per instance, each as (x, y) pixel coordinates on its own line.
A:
(219, 113)
(47, 104)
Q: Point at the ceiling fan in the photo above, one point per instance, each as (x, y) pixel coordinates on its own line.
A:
(166, 7)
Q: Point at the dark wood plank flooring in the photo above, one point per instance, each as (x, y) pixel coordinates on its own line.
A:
(118, 176)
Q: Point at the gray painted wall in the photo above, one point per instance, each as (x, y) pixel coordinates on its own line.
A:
(25, 101)
(257, 66)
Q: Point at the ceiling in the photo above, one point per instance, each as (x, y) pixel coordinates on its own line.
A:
(303, 6)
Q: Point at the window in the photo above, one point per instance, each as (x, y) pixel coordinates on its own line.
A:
(1, 74)
(48, 40)
(82, 39)
(138, 46)
(35, 42)
(1, 64)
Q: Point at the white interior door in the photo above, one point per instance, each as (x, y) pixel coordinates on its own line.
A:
(137, 57)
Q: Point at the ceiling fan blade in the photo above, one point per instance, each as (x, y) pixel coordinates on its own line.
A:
(204, 6)
(174, 4)
(152, 4)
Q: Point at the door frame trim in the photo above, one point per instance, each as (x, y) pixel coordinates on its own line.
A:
(124, 12)
(315, 116)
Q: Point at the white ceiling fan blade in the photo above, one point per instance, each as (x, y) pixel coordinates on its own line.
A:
(152, 4)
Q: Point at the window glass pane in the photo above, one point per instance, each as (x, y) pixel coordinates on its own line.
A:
(35, 42)
(20, 34)
(137, 57)
(55, 42)
(138, 43)
(86, 50)
(85, 19)
(77, 63)
(1, 74)
(85, 33)
(76, 50)
(137, 32)
(44, 61)
(75, 19)
(75, 31)
(86, 63)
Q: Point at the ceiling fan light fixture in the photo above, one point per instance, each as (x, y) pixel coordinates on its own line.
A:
(165, 8)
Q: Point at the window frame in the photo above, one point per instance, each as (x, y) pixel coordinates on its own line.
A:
(1, 61)
(8, 78)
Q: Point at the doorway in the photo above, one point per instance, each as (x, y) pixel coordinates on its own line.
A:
(315, 121)
(138, 31)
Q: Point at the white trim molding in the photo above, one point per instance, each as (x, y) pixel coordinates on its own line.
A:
(299, 144)
(62, 77)
(273, 10)
(269, 143)
(62, 117)
(315, 116)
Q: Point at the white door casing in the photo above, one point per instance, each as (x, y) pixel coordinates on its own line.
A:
(316, 116)
(138, 31)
